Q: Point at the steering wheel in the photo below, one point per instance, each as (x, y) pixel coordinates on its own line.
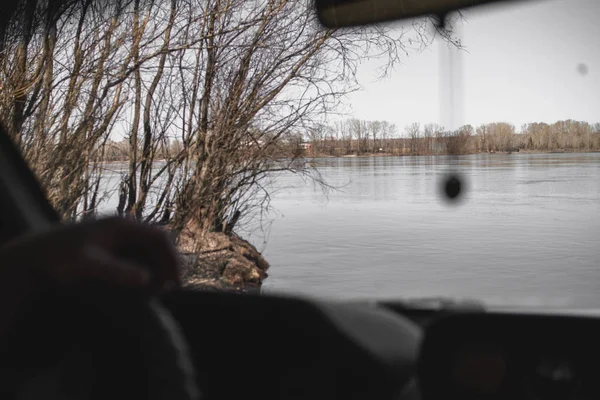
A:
(96, 342)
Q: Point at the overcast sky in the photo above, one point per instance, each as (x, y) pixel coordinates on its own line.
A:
(523, 64)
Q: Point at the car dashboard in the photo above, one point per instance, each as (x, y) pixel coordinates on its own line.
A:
(510, 356)
(247, 346)
(289, 348)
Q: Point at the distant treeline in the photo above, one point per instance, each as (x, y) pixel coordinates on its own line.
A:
(360, 137)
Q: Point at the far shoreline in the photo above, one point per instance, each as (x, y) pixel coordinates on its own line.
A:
(374, 155)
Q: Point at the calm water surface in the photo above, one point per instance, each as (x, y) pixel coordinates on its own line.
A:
(527, 232)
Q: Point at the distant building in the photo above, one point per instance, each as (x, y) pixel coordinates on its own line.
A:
(305, 146)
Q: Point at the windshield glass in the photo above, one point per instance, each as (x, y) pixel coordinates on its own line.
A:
(244, 127)
(526, 232)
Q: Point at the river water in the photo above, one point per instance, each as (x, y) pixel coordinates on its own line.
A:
(527, 231)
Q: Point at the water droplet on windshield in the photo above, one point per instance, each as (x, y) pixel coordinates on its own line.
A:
(452, 187)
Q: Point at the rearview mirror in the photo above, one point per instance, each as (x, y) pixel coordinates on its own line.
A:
(346, 13)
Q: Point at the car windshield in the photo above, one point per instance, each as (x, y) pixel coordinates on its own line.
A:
(391, 161)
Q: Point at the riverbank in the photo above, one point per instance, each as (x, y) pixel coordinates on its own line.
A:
(397, 154)
(224, 263)
(563, 151)
(521, 151)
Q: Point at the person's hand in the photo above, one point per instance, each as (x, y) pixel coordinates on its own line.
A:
(115, 251)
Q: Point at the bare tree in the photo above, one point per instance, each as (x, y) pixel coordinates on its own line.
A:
(206, 95)
(413, 131)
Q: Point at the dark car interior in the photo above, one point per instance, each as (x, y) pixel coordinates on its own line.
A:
(100, 342)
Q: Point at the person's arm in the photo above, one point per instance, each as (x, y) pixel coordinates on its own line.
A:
(116, 251)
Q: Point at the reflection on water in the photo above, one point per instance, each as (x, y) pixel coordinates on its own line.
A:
(527, 232)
